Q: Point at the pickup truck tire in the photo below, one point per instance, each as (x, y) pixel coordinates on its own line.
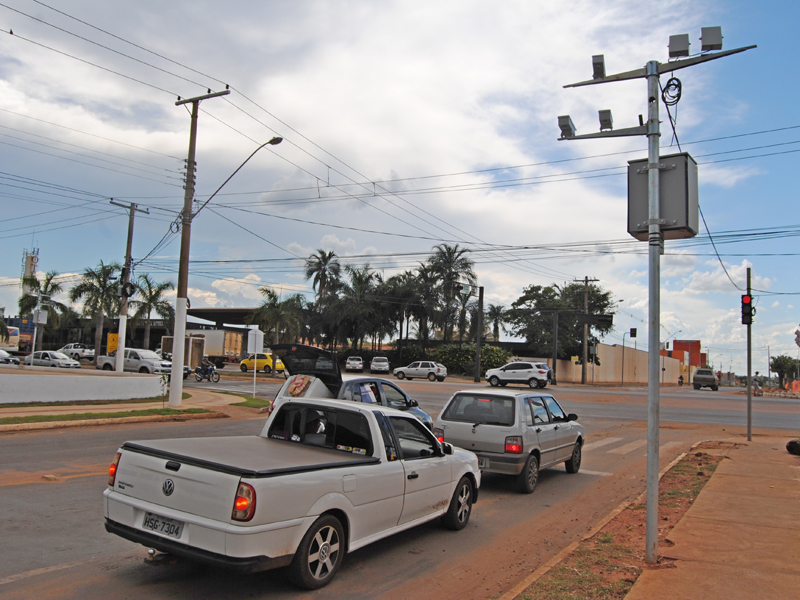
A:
(107, 367)
(319, 555)
(457, 515)
(494, 381)
(401, 375)
(573, 465)
(697, 387)
(243, 368)
(77, 357)
(143, 370)
(714, 388)
(431, 377)
(527, 480)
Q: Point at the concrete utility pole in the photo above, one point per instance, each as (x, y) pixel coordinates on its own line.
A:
(585, 360)
(749, 367)
(176, 381)
(124, 287)
(479, 335)
(679, 49)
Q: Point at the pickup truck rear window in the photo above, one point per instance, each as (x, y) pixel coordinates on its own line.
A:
(341, 430)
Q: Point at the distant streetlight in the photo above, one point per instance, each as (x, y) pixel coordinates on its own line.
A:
(662, 356)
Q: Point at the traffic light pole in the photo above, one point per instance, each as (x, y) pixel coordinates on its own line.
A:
(479, 336)
(749, 368)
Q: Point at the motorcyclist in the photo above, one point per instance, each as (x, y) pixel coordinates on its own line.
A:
(680, 380)
(206, 364)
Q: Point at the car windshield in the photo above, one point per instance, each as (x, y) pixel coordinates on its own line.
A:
(149, 355)
(59, 355)
(481, 409)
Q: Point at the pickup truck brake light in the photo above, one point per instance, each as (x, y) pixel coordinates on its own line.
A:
(514, 444)
(244, 505)
(112, 469)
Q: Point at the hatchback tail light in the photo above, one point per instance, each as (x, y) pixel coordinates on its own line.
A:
(514, 444)
(112, 469)
(244, 505)
(439, 433)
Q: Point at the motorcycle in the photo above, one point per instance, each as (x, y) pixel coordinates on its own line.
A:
(206, 372)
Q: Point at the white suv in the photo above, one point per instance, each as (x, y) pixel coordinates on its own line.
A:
(433, 371)
(536, 375)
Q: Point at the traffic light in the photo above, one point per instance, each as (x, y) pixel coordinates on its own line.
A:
(747, 309)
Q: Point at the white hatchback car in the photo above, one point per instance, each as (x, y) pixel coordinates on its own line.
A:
(354, 363)
(379, 364)
(536, 375)
(511, 432)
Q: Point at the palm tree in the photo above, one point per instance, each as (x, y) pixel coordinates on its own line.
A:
(152, 299)
(451, 264)
(324, 268)
(495, 314)
(98, 290)
(48, 288)
(3, 328)
(356, 296)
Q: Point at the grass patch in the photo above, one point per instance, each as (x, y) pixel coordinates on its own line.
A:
(164, 398)
(249, 401)
(103, 415)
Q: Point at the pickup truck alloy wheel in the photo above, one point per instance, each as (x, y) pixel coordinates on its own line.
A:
(574, 463)
(494, 381)
(431, 377)
(143, 370)
(457, 515)
(529, 477)
(319, 555)
(107, 367)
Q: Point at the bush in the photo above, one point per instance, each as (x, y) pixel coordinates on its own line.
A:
(461, 360)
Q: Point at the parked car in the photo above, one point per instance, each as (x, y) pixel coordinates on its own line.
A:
(432, 370)
(323, 478)
(354, 363)
(705, 378)
(78, 351)
(513, 433)
(8, 359)
(48, 358)
(379, 364)
(536, 375)
(138, 360)
(304, 363)
(262, 363)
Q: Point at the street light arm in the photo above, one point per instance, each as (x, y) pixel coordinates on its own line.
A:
(273, 142)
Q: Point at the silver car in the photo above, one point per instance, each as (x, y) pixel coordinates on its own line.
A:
(422, 368)
(512, 432)
(48, 358)
(379, 364)
(536, 375)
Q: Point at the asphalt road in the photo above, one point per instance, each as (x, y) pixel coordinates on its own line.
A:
(55, 546)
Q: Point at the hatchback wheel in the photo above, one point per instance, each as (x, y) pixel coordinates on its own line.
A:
(401, 375)
(267, 369)
(574, 463)
(431, 377)
(243, 368)
(527, 480)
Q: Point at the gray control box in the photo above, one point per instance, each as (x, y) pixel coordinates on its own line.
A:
(677, 197)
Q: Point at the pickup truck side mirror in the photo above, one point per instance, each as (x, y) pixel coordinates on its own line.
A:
(412, 403)
(447, 448)
(572, 417)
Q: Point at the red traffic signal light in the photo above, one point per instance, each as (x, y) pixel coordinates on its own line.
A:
(747, 309)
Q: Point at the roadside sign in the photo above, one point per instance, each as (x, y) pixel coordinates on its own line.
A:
(113, 342)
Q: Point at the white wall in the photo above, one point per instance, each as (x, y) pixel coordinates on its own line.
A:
(17, 386)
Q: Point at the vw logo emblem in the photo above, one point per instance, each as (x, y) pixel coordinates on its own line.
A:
(168, 487)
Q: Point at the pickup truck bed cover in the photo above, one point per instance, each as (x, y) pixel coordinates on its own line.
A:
(254, 456)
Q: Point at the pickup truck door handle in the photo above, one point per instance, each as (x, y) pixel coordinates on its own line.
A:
(556, 427)
(538, 430)
(413, 475)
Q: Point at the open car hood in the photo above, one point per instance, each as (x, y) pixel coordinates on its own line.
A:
(298, 359)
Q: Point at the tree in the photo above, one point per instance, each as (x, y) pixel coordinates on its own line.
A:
(151, 299)
(495, 315)
(324, 270)
(356, 296)
(784, 366)
(530, 317)
(99, 293)
(3, 329)
(451, 264)
(47, 288)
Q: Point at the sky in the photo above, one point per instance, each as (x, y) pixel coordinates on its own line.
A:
(406, 125)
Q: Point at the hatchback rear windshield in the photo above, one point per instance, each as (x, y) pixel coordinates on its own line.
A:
(481, 408)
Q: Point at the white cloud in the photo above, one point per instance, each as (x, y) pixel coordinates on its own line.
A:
(727, 177)
(245, 288)
(677, 264)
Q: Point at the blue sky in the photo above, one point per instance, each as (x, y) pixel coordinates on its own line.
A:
(406, 124)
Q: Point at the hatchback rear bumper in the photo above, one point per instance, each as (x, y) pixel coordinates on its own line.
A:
(506, 464)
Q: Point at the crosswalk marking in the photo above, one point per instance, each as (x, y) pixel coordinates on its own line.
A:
(672, 444)
(598, 473)
(601, 443)
(628, 447)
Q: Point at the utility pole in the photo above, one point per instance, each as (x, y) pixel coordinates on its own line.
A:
(176, 380)
(585, 357)
(554, 380)
(749, 366)
(479, 335)
(125, 288)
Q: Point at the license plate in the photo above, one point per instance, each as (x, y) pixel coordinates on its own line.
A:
(162, 525)
(483, 463)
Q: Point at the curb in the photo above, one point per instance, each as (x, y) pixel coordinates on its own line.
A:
(546, 567)
(96, 422)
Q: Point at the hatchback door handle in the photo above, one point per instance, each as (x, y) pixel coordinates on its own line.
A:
(413, 476)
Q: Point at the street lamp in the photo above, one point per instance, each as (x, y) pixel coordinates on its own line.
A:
(711, 40)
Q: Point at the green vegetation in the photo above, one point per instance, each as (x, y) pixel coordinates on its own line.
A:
(162, 399)
(249, 401)
(102, 415)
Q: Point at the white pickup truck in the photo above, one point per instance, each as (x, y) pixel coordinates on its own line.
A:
(324, 478)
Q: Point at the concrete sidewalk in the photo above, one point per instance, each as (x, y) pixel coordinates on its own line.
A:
(741, 537)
